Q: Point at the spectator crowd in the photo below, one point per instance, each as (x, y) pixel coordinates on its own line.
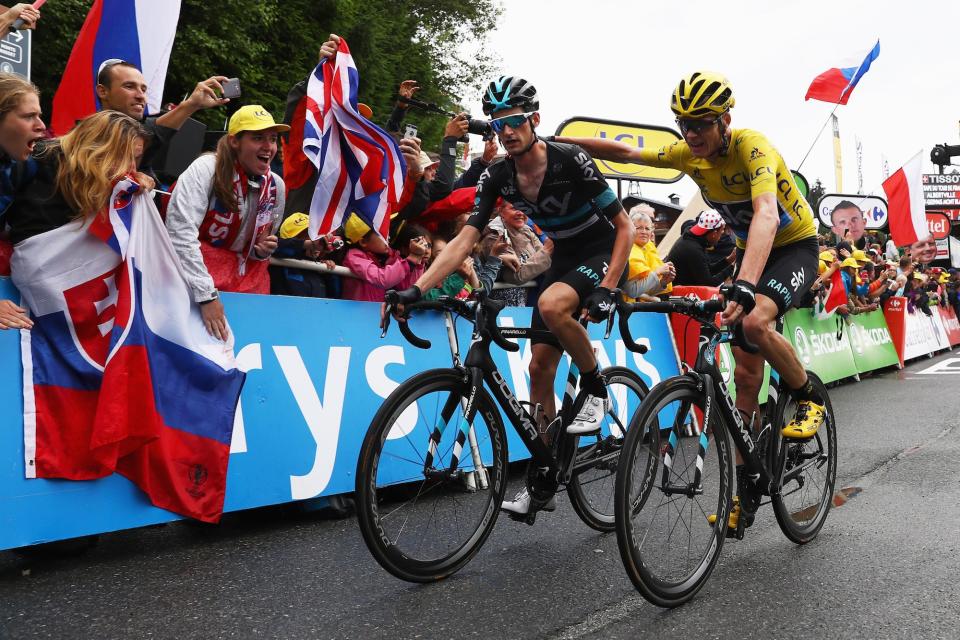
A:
(232, 211)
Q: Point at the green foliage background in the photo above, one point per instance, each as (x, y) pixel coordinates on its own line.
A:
(271, 45)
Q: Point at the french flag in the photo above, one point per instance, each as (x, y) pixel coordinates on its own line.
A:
(361, 168)
(907, 213)
(119, 373)
(140, 32)
(835, 85)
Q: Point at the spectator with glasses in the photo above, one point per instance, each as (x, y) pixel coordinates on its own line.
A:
(647, 274)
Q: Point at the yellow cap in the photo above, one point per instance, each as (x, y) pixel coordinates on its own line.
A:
(294, 225)
(253, 117)
(355, 228)
(826, 256)
(860, 256)
(944, 278)
(850, 262)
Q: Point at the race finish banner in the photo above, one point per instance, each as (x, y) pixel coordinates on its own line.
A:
(641, 135)
(822, 345)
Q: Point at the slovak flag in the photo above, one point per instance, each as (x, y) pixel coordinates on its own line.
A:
(907, 214)
(361, 168)
(835, 85)
(119, 373)
(140, 32)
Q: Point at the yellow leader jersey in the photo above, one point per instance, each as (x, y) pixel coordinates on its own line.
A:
(729, 183)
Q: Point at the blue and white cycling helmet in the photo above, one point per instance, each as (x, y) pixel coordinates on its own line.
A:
(508, 92)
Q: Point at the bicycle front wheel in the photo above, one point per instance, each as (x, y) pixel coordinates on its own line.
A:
(592, 484)
(669, 484)
(429, 485)
(805, 470)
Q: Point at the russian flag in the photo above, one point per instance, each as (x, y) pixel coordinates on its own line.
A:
(835, 85)
(907, 214)
(119, 373)
(140, 32)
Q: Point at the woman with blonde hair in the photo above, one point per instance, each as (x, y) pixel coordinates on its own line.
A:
(76, 173)
(225, 211)
(20, 130)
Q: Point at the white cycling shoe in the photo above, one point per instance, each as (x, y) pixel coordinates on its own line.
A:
(520, 504)
(590, 416)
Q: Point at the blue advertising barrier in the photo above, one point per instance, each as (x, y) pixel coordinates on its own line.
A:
(317, 371)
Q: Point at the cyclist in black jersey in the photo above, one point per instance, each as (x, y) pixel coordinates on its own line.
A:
(561, 189)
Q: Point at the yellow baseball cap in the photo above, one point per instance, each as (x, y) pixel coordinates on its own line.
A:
(850, 262)
(826, 256)
(355, 228)
(860, 256)
(253, 117)
(294, 225)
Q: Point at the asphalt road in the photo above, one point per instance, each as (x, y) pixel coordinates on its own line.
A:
(886, 564)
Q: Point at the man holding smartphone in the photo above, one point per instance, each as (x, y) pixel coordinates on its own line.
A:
(122, 87)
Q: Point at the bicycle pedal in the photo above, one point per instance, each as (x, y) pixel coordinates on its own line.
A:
(525, 518)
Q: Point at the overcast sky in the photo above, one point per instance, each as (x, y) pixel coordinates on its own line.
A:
(621, 60)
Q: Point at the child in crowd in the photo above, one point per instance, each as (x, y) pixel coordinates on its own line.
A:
(294, 243)
(377, 266)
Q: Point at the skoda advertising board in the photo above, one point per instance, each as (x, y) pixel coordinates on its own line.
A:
(640, 135)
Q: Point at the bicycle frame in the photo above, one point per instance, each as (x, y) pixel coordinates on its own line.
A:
(709, 380)
(479, 369)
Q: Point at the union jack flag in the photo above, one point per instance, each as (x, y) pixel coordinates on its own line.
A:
(361, 168)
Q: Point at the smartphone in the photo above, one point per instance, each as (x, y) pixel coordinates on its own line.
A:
(410, 131)
(231, 88)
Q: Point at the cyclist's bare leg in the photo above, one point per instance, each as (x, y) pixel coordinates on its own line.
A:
(543, 373)
(557, 305)
(760, 330)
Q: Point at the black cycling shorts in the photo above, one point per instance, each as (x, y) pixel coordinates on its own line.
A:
(582, 267)
(790, 272)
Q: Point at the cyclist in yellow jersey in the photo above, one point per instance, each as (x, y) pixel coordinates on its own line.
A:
(745, 179)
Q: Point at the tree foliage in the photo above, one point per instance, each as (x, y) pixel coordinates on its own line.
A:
(271, 45)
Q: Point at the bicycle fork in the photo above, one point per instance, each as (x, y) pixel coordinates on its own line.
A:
(465, 433)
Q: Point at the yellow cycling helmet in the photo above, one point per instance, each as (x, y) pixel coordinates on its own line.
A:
(701, 94)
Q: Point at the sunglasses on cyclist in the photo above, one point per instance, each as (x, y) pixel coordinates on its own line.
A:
(514, 121)
(696, 126)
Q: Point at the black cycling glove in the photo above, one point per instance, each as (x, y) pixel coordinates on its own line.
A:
(599, 303)
(744, 294)
(406, 296)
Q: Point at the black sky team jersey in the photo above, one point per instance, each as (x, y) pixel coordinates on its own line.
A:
(575, 202)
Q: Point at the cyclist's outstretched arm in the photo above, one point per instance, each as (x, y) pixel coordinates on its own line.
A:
(603, 149)
(450, 258)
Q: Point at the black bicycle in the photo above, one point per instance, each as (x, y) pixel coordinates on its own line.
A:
(433, 466)
(674, 492)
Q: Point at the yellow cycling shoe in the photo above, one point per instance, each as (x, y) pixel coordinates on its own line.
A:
(806, 421)
(734, 517)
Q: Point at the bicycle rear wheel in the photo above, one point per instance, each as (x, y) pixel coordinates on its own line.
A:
(592, 484)
(806, 470)
(422, 515)
(668, 485)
